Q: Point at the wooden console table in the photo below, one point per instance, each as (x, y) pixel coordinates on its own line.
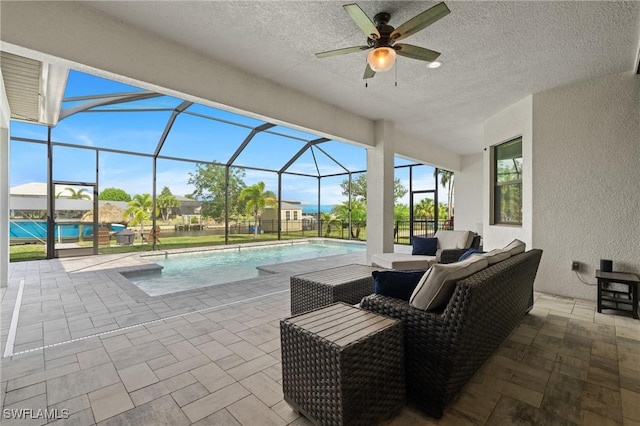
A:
(618, 300)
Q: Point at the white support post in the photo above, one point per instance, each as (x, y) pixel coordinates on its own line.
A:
(4, 185)
(380, 176)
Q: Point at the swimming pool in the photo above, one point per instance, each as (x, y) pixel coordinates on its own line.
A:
(201, 269)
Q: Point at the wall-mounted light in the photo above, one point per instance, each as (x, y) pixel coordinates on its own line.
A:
(381, 59)
(434, 64)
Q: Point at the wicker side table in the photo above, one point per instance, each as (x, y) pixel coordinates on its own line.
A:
(343, 365)
(314, 290)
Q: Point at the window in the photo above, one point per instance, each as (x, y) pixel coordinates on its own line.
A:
(507, 182)
(287, 215)
(295, 215)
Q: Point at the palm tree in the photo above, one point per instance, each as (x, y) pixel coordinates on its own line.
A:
(255, 199)
(358, 216)
(81, 194)
(446, 179)
(139, 209)
(424, 209)
(328, 221)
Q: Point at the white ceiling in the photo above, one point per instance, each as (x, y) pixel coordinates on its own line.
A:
(494, 53)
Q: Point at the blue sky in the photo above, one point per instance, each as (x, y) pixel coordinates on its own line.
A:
(191, 137)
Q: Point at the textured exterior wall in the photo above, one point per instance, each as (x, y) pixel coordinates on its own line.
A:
(587, 181)
(506, 125)
(469, 190)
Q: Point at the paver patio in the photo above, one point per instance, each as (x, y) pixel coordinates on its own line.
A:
(90, 342)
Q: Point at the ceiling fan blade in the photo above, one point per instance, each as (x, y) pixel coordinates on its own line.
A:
(368, 73)
(362, 20)
(342, 51)
(420, 21)
(415, 52)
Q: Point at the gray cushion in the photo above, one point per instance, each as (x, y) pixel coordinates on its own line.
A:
(437, 285)
(454, 239)
(497, 255)
(515, 247)
(402, 261)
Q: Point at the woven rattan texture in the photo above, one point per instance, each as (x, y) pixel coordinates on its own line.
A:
(449, 255)
(314, 290)
(452, 255)
(444, 349)
(361, 383)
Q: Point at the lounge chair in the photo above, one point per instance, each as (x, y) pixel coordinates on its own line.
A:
(153, 237)
(450, 246)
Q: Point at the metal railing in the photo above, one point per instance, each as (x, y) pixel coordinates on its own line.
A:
(421, 228)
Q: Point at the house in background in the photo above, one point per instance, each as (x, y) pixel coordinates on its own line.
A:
(290, 216)
(28, 212)
(29, 200)
(188, 206)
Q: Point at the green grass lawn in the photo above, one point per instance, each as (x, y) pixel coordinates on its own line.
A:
(26, 252)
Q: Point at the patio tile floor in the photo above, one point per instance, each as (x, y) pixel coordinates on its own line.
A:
(212, 355)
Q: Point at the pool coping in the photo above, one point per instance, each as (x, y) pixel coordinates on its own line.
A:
(240, 246)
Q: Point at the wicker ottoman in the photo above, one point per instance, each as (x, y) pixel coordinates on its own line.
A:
(343, 365)
(314, 290)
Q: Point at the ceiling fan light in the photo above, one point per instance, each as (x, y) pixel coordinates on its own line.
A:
(381, 59)
(434, 64)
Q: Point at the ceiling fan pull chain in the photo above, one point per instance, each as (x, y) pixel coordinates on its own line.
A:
(396, 70)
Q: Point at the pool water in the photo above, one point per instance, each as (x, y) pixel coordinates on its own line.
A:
(195, 270)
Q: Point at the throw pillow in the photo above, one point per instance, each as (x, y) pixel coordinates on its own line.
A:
(424, 246)
(396, 284)
(515, 247)
(468, 253)
(437, 285)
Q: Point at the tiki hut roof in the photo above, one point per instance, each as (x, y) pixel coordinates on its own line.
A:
(107, 213)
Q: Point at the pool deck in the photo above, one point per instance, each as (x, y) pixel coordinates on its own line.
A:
(90, 342)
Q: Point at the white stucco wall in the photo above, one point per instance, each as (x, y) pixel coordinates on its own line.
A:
(469, 190)
(422, 151)
(506, 125)
(587, 181)
(5, 115)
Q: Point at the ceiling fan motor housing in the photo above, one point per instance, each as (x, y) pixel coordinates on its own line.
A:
(381, 18)
(385, 34)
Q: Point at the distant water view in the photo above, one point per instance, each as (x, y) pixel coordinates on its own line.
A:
(313, 208)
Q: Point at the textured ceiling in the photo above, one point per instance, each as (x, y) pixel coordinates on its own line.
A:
(494, 53)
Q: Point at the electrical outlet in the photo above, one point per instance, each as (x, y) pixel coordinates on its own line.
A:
(575, 265)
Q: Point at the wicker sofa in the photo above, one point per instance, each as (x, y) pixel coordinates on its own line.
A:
(444, 349)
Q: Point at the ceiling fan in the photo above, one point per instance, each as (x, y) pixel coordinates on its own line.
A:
(382, 37)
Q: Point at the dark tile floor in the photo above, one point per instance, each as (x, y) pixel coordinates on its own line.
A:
(90, 343)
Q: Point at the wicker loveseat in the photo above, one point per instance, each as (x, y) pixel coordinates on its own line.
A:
(444, 349)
